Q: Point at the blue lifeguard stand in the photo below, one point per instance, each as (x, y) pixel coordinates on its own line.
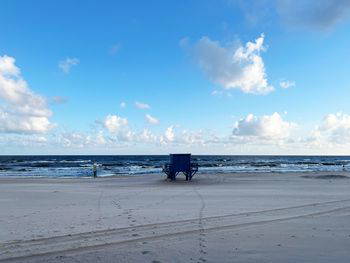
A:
(180, 162)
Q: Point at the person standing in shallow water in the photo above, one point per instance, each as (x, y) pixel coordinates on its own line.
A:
(94, 170)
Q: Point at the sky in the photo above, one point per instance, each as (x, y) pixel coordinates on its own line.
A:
(158, 77)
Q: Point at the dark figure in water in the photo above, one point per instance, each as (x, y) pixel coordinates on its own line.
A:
(94, 169)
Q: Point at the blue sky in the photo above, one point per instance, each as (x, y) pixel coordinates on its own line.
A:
(214, 77)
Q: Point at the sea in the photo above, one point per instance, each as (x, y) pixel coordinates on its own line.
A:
(138, 165)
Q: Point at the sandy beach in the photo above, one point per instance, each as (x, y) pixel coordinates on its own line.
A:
(262, 217)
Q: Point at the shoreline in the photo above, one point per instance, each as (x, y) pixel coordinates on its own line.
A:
(81, 166)
(160, 174)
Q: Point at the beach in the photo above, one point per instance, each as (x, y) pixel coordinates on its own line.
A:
(241, 217)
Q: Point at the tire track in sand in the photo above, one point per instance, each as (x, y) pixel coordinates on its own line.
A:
(113, 237)
(202, 236)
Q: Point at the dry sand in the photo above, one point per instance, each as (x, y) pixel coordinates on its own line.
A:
(214, 218)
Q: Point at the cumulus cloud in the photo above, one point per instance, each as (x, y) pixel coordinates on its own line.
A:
(67, 64)
(114, 123)
(168, 137)
(82, 140)
(169, 134)
(8, 67)
(267, 127)
(121, 137)
(74, 139)
(12, 123)
(142, 106)
(120, 130)
(122, 133)
(146, 136)
(234, 67)
(285, 84)
(11, 140)
(21, 110)
(192, 138)
(120, 127)
(122, 104)
(320, 14)
(333, 130)
(151, 120)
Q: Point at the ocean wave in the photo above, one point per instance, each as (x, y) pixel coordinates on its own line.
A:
(81, 166)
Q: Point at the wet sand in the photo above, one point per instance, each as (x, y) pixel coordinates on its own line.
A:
(214, 218)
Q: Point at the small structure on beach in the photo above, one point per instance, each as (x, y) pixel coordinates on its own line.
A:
(180, 163)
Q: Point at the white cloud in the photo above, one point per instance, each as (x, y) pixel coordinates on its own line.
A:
(168, 137)
(234, 67)
(114, 123)
(8, 67)
(120, 127)
(122, 104)
(12, 123)
(22, 140)
(21, 110)
(285, 84)
(151, 120)
(142, 106)
(100, 138)
(74, 139)
(267, 127)
(146, 136)
(334, 130)
(67, 64)
(251, 134)
(192, 138)
(170, 134)
(82, 140)
(123, 136)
